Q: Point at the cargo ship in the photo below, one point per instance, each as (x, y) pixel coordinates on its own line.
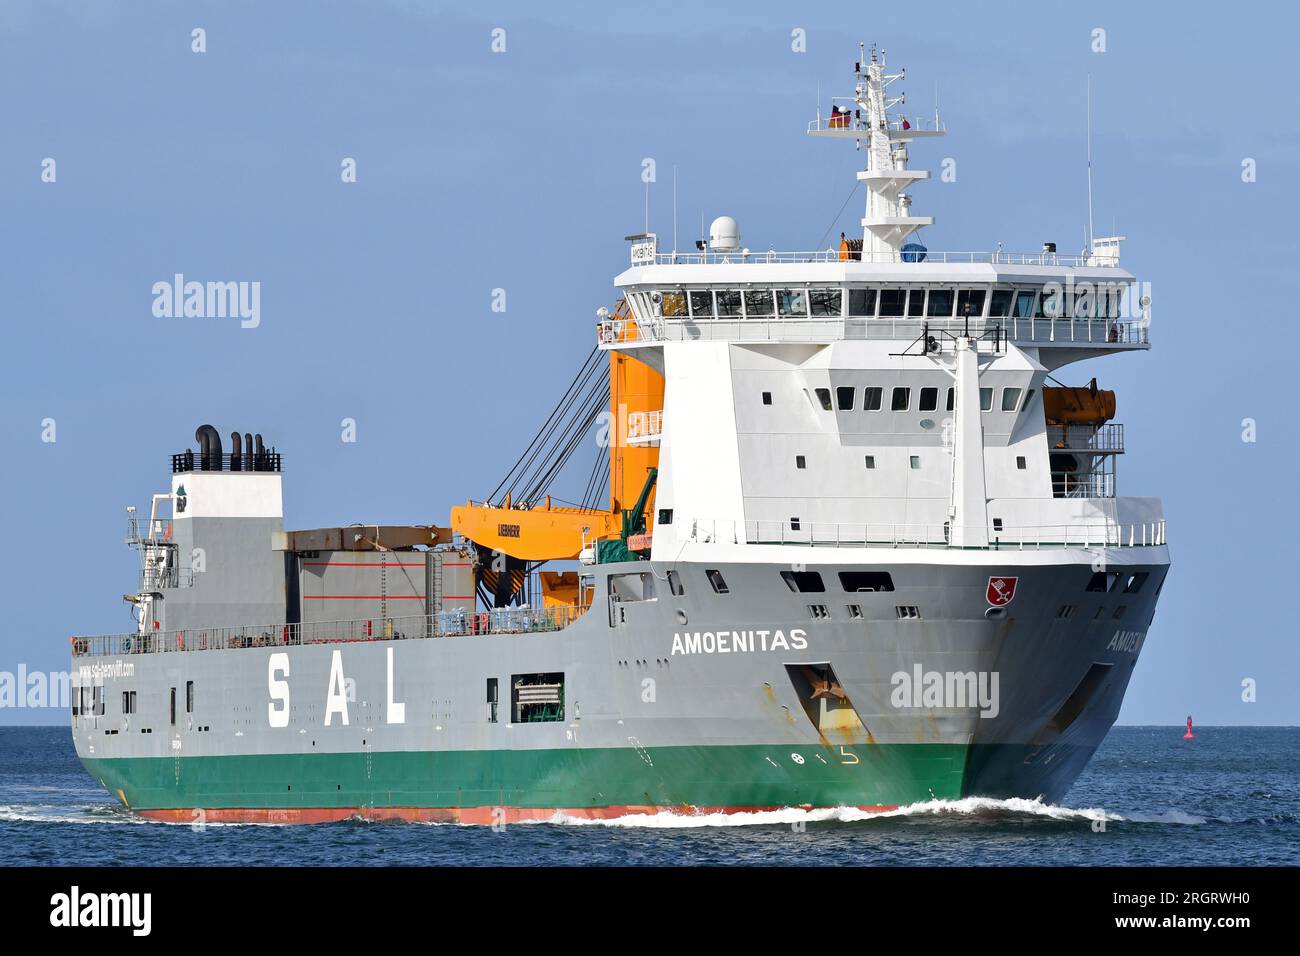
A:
(849, 542)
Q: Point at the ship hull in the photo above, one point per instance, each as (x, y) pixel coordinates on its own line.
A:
(703, 716)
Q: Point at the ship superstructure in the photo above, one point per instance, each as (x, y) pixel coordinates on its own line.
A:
(860, 547)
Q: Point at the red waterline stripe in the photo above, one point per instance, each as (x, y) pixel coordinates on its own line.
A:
(476, 816)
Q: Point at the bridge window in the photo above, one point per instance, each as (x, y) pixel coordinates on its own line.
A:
(1024, 303)
(825, 302)
(892, 302)
(792, 303)
(872, 396)
(1103, 581)
(758, 303)
(673, 305)
(986, 399)
(824, 398)
(701, 304)
(970, 302)
(952, 395)
(803, 581)
(901, 399)
(929, 399)
(1010, 399)
(844, 397)
(857, 581)
(1000, 303)
(728, 302)
(916, 303)
(862, 302)
(940, 304)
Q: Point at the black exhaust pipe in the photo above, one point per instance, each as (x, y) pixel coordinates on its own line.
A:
(209, 440)
(236, 452)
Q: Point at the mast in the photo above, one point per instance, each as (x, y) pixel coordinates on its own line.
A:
(887, 223)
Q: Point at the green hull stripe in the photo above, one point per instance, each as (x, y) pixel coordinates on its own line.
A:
(712, 776)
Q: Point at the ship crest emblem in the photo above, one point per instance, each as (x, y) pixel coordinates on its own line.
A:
(1001, 591)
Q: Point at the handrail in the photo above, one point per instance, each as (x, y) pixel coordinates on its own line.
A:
(1115, 333)
(458, 623)
(858, 535)
(950, 257)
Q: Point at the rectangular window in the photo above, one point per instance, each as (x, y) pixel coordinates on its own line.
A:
(728, 302)
(189, 697)
(900, 399)
(701, 304)
(1010, 399)
(128, 702)
(1021, 463)
(1135, 581)
(799, 461)
(907, 612)
(844, 397)
(856, 581)
(871, 461)
(98, 700)
(716, 580)
(1029, 395)
(915, 462)
(862, 303)
(997, 524)
(767, 398)
(872, 396)
(916, 303)
(1051, 302)
(1000, 303)
(819, 612)
(758, 303)
(940, 306)
(794, 524)
(986, 399)
(952, 395)
(537, 698)
(665, 516)
(171, 709)
(855, 611)
(1024, 303)
(825, 302)
(824, 398)
(929, 399)
(892, 303)
(492, 699)
(803, 582)
(792, 303)
(970, 302)
(675, 584)
(1102, 581)
(673, 305)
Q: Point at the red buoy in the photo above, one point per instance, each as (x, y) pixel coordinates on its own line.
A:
(1189, 735)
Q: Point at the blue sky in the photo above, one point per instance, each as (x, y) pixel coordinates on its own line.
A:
(522, 171)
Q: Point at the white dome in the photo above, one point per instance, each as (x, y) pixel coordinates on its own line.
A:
(724, 235)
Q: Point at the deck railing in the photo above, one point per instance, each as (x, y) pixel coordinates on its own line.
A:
(850, 535)
(1064, 332)
(510, 620)
(769, 256)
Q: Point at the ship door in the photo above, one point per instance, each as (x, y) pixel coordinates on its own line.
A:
(625, 592)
